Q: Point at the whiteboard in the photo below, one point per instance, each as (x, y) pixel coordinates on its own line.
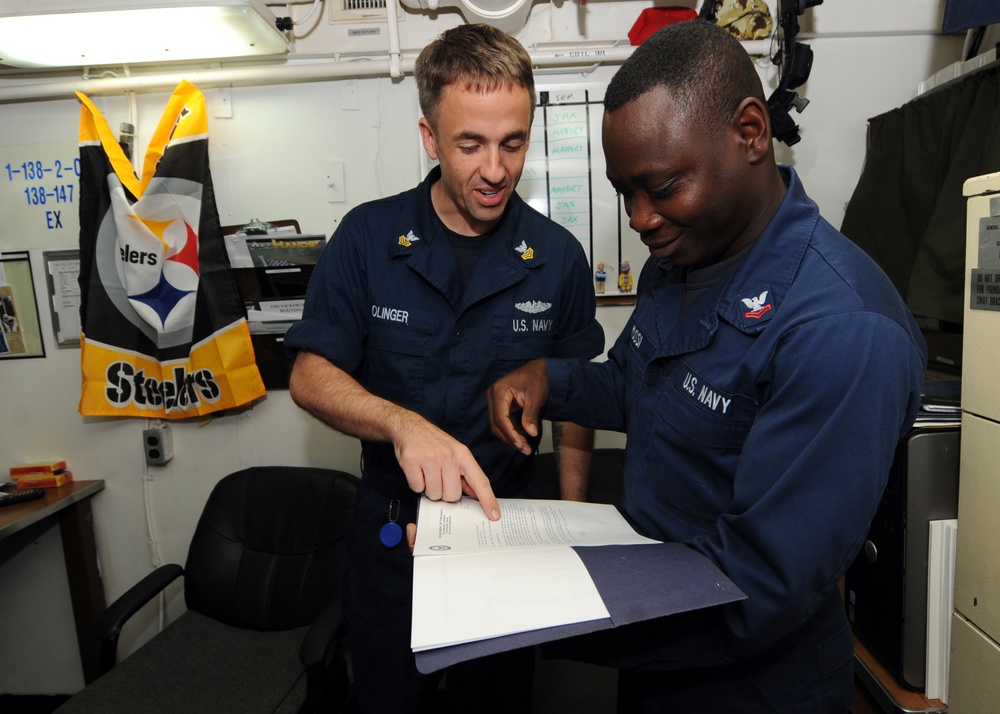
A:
(564, 179)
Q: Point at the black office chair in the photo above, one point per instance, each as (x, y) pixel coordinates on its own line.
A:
(262, 584)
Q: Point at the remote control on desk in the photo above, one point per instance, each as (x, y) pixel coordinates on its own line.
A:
(28, 494)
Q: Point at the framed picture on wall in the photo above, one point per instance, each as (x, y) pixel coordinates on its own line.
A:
(20, 334)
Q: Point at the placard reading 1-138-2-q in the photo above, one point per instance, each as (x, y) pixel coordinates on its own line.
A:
(39, 187)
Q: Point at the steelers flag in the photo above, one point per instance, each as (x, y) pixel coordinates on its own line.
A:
(163, 331)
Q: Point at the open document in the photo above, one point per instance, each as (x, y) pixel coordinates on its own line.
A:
(475, 578)
(545, 570)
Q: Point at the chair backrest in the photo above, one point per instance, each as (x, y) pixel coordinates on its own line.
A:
(268, 551)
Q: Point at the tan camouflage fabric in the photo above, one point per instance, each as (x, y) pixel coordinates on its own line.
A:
(745, 19)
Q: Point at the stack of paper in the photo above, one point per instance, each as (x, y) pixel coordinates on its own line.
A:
(940, 403)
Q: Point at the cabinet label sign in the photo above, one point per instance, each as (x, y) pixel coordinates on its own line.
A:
(989, 242)
(984, 292)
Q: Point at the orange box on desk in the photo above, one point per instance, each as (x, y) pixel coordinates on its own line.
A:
(45, 468)
(43, 480)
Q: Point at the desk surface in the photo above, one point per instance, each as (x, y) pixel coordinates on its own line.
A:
(891, 696)
(21, 515)
(70, 506)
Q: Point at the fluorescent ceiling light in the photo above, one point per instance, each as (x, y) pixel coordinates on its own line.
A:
(61, 33)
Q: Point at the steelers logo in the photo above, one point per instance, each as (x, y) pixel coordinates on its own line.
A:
(147, 254)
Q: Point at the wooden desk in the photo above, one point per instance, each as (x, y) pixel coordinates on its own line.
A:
(887, 692)
(71, 505)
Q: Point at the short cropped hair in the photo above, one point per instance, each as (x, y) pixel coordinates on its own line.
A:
(480, 56)
(705, 69)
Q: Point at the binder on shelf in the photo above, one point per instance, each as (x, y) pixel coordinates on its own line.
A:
(943, 538)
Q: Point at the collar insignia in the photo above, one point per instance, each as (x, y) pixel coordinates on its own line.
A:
(408, 240)
(526, 252)
(757, 306)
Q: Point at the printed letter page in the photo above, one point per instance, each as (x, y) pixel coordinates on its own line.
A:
(474, 578)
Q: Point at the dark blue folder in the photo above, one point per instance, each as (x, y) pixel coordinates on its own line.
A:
(636, 582)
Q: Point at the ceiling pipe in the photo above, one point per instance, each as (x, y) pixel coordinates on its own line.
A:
(395, 70)
(568, 57)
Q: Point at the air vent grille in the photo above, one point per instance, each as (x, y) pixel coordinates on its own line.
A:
(357, 10)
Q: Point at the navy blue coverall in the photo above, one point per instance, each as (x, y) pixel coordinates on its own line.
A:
(761, 428)
(387, 304)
